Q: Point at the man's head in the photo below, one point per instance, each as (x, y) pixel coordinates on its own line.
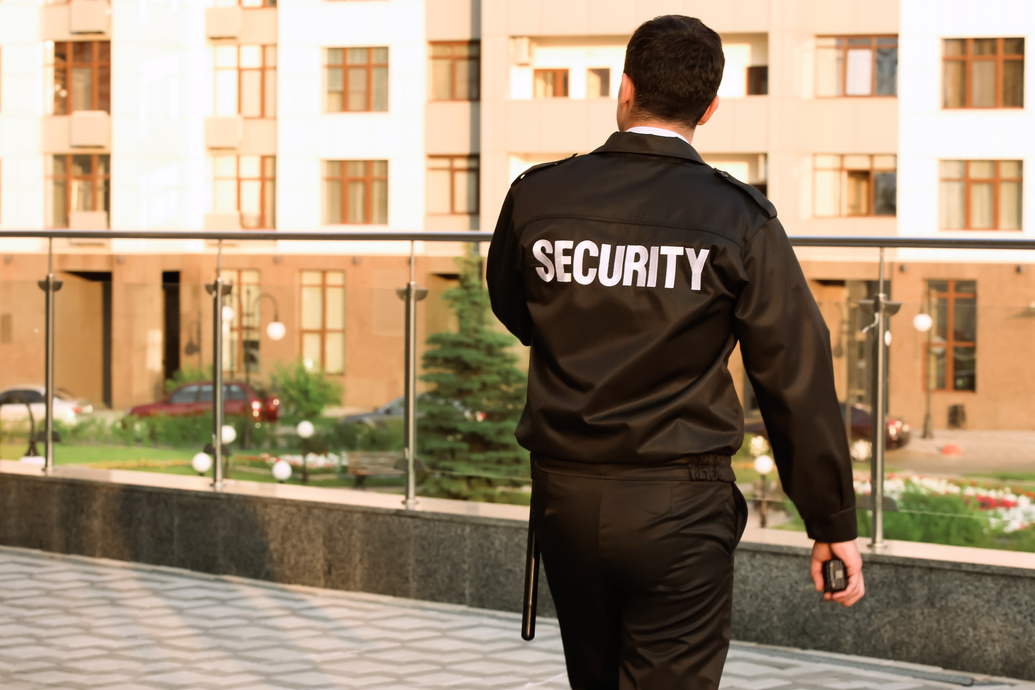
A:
(675, 64)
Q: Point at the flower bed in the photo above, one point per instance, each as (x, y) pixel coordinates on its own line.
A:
(1008, 509)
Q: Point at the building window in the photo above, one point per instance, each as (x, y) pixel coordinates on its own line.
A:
(952, 348)
(856, 66)
(551, 83)
(983, 73)
(758, 80)
(357, 79)
(246, 80)
(452, 184)
(246, 185)
(981, 195)
(323, 320)
(79, 76)
(356, 192)
(598, 82)
(855, 186)
(455, 71)
(77, 182)
(242, 343)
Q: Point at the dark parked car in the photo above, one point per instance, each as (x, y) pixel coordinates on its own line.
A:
(196, 399)
(896, 435)
(396, 409)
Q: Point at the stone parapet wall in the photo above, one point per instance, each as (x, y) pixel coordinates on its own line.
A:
(955, 612)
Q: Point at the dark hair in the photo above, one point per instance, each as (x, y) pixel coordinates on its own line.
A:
(675, 63)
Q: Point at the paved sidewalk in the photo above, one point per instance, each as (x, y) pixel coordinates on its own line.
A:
(69, 622)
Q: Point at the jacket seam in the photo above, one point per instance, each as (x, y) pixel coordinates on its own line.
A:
(519, 230)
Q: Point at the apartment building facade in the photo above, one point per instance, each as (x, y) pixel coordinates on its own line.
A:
(880, 118)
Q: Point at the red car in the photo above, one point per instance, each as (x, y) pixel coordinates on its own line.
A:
(196, 399)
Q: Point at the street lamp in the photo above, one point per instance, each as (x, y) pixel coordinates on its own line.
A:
(923, 322)
(276, 331)
(305, 430)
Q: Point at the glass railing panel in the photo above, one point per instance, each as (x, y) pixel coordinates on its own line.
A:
(960, 468)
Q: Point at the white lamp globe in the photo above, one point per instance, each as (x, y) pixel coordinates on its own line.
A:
(201, 463)
(305, 429)
(923, 322)
(276, 330)
(281, 471)
(763, 464)
(228, 434)
(228, 313)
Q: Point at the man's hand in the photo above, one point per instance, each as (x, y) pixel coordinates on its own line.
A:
(847, 552)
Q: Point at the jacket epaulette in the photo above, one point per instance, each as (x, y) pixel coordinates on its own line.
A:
(549, 164)
(758, 197)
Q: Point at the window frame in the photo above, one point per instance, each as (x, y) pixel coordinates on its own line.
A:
(323, 331)
(454, 60)
(62, 105)
(369, 66)
(968, 183)
(247, 282)
(950, 344)
(100, 183)
(843, 57)
(557, 72)
(267, 188)
(756, 80)
(843, 186)
(968, 58)
(591, 70)
(368, 194)
(457, 164)
(265, 70)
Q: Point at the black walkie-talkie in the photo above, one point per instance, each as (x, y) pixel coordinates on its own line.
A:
(835, 577)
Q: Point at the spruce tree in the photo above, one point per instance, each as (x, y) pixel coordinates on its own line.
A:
(466, 429)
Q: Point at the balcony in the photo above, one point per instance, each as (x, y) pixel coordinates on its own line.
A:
(75, 20)
(83, 129)
(252, 26)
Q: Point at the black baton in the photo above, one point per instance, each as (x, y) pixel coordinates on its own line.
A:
(531, 592)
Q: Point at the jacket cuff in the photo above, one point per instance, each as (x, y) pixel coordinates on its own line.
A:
(841, 526)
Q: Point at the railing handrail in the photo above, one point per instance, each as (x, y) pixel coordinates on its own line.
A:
(891, 242)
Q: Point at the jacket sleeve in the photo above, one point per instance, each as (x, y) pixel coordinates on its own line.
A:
(786, 348)
(503, 276)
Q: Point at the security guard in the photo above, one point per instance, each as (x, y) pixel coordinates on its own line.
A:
(632, 272)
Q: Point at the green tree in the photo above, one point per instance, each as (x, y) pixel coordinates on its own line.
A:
(468, 419)
(304, 392)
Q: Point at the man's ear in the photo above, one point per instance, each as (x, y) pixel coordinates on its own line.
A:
(712, 107)
(626, 100)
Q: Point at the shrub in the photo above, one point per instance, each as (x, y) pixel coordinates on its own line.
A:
(304, 392)
(935, 519)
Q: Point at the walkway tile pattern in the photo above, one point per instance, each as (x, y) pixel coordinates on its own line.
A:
(76, 623)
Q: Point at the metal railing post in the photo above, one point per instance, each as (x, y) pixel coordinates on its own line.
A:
(882, 308)
(411, 294)
(218, 290)
(49, 286)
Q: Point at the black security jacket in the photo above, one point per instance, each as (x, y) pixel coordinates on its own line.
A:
(632, 272)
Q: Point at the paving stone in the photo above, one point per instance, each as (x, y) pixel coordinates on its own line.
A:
(101, 625)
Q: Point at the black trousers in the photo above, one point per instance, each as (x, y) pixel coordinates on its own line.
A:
(640, 564)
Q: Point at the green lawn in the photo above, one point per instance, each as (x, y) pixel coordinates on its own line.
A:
(173, 461)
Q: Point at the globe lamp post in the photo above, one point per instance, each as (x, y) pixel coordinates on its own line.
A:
(923, 322)
(763, 465)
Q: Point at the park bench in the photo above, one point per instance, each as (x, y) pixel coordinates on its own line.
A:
(378, 463)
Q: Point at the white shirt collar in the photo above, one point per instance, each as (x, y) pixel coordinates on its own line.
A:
(657, 131)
